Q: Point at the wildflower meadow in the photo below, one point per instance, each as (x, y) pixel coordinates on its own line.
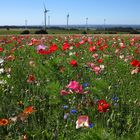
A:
(70, 87)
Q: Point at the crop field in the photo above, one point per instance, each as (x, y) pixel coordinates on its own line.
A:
(50, 31)
(70, 87)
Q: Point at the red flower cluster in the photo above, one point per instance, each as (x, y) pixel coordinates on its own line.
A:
(103, 106)
(52, 49)
(135, 63)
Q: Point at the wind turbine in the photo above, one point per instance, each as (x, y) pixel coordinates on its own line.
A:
(49, 21)
(45, 13)
(68, 21)
(104, 24)
(86, 24)
(26, 23)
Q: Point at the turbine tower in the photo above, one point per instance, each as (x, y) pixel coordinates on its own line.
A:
(26, 23)
(68, 21)
(104, 24)
(86, 24)
(45, 13)
(48, 21)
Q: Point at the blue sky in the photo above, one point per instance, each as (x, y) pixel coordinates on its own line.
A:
(14, 12)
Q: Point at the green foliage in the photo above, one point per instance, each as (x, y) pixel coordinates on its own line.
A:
(26, 32)
(41, 32)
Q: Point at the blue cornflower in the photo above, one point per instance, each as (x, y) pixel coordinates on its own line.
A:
(115, 98)
(91, 125)
(65, 106)
(85, 85)
(73, 111)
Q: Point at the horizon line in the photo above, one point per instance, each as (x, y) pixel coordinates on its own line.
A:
(70, 24)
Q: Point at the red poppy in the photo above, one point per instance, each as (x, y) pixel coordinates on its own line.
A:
(65, 46)
(100, 60)
(73, 63)
(101, 101)
(102, 106)
(1, 49)
(77, 45)
(91, 43)
(92, 49)
(135, 63)
(53, 48)
(137, 51)
(31, 79)
(98, 43)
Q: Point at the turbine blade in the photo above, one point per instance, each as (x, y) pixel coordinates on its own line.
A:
(44, 6)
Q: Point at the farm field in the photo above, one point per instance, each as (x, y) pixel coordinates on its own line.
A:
(70, 87)
(51, 31)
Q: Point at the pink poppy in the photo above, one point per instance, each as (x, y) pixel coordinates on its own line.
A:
(75, 86)
(95, 55)
(40, 47)
(97, 69)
